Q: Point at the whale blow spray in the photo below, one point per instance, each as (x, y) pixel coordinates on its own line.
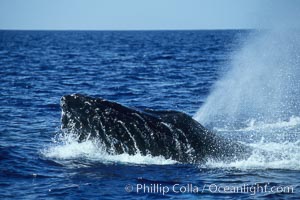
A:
(263, 83)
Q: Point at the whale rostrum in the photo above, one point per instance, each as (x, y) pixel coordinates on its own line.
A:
(171, 134)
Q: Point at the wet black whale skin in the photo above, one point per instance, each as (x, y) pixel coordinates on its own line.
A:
(120, 129)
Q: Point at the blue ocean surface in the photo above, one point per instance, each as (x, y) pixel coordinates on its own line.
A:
(164, 70)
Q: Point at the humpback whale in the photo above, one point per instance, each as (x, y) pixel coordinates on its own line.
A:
(120, 129)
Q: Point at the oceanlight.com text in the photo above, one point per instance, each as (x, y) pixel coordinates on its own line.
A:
(208, 188)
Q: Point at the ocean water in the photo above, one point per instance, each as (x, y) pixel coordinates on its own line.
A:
(240, 84)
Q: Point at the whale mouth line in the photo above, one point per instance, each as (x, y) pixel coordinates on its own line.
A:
(121, 130)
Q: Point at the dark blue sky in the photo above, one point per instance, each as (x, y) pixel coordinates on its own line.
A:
(146, 14)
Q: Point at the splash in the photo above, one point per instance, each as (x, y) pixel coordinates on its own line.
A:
(266, 155)
(254, 125)
(67, 147)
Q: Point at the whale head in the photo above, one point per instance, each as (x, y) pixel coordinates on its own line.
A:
(124, 130)
(120, 129)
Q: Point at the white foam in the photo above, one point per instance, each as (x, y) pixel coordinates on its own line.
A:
(266, 155)
(255, 125)
(94, 151)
